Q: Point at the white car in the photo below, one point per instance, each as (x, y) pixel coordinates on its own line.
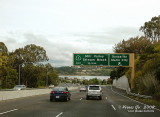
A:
(51, 86)
(19, 87)
(83, 88)
(94, 91)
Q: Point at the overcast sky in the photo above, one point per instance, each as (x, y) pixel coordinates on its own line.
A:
(64, 27)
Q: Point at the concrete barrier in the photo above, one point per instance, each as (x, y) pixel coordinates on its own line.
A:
(6, 95)
(122, 83)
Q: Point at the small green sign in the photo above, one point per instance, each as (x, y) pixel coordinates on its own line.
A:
(91, 59)
(119, 60)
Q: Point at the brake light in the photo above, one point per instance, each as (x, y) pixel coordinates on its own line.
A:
(64, 92)
(52, 92)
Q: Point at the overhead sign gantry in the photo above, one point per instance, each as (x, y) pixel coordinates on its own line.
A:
(105, 60)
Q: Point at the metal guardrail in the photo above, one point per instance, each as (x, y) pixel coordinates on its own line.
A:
(134, 94)
(138, 95)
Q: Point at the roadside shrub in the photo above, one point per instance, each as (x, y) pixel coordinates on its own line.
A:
(150, 83)
(157, 93)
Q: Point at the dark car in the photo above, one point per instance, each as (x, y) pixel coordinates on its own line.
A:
(60, 93)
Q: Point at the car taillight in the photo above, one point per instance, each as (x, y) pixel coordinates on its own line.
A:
(64, 92)
(52, 92)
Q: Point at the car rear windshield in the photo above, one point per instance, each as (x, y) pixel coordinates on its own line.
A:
(59, 89)
(94, 88)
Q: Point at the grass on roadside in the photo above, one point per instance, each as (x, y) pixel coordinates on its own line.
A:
(41, 87)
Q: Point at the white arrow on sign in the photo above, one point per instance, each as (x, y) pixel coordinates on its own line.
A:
(119, 63)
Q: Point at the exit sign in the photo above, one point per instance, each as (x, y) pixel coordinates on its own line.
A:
(119, 60)
(81, 59)
(90, 59)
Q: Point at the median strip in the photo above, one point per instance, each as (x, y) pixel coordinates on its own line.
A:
(8, 111)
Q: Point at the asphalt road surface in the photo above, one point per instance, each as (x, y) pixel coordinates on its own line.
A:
(113, 104)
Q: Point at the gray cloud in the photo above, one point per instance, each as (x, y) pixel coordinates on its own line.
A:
(60, 47)
(113, 36)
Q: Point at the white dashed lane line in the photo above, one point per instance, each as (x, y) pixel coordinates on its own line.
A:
(59, 114)
(81, 98)
(8, 111)
(113, 107)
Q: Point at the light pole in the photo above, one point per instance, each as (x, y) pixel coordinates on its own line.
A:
(19, 79)
(47, 78)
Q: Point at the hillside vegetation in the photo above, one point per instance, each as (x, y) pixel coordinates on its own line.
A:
(26, 63)
(147, 59)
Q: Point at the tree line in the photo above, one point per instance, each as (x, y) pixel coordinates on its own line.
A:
(67, 70)
(147, 59)
(28, 64)
(93, 81)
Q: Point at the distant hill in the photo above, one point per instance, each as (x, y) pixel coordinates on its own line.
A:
(88, 71)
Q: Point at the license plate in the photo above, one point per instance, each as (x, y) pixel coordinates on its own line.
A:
(57, 96)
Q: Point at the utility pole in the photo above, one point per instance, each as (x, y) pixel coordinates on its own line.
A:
(19, 79)
(47, 78)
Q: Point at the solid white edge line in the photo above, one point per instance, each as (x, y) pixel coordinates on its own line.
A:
(59, 114)
(8, 111)
(113, 107)
(131, 99)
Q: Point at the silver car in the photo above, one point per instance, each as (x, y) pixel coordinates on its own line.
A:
(19, 87)
(94, 91)
(83, 88)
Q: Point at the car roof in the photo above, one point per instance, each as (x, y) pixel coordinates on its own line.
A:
(19, 85)
(94, 85)
(59, 87)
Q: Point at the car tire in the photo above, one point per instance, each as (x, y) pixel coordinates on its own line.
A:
(100, 97)
(67, 98)
(51, 99)
(87, 97)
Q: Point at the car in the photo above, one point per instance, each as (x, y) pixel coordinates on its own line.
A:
(19, 87)
(83, 88)
(51, 86)
(60, 93)
(94, 91)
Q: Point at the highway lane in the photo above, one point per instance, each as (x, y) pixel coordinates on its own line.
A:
(113, 104)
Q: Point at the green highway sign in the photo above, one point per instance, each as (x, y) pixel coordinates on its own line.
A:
(90, 59)
(119, 59)
(81, 59)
